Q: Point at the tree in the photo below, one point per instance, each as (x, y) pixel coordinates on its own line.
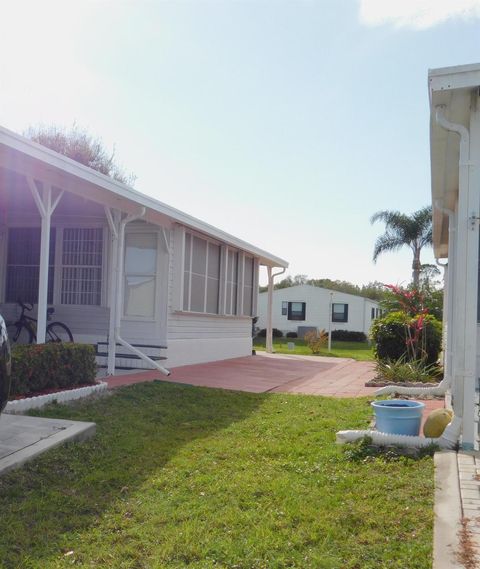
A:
(79, 145)
(414, 231)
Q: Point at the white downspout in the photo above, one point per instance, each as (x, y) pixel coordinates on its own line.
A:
(46, 209)
(466, 282)
(119, 292)
(269, 333)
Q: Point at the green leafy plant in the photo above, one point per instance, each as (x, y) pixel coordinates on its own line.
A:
(316, 340)
(405, 371)
(38, 367)
(398, 334)
(292, 335)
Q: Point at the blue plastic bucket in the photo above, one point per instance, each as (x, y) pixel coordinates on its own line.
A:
(398, 416)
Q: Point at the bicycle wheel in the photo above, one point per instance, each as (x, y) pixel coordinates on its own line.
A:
(19, 334)
(58, 332)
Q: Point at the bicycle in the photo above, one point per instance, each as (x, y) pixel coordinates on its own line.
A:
(24, 330)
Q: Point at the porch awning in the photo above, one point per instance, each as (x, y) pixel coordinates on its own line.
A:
(31, 159)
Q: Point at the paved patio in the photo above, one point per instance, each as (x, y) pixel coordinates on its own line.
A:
(337, 377)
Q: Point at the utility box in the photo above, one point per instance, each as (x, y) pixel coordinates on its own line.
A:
(302, 330)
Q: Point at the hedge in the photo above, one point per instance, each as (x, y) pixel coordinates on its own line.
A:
(348, 336)
(388, 334)
(276, 333)
(37, 367)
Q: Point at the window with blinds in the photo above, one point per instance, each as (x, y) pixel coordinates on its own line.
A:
(140, 274)
(82, 258)
(23, 264)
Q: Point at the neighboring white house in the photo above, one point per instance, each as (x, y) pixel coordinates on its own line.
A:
(120, 267)
(455, 163)
(301, 306)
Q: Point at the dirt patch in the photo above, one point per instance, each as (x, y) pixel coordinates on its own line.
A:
(467, 554)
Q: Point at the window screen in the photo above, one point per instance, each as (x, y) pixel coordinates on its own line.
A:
(231, 283)
(23, 264)
(82, 258)
(201, 275)
(248, 285)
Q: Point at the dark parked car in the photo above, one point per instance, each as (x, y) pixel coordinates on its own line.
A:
(5, 364)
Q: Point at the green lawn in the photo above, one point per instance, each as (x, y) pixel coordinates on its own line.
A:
(360, 351)
(185, 477)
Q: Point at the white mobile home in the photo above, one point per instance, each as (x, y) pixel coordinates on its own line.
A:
(301, 306)
(455, 164)
(120, 267)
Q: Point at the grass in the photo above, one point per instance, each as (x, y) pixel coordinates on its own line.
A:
(360, 351)
(186, 477)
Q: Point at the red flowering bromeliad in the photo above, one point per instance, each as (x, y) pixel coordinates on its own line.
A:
(412, 302)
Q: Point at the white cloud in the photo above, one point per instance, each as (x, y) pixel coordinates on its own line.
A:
(416, 14)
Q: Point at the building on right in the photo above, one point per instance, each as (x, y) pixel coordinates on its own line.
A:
(454, 94)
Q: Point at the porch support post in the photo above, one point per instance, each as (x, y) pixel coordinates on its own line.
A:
(46, 209)
(269, 338)
(114, 223)
(269, 334)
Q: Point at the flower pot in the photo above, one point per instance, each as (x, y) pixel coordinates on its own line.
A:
(398, 416)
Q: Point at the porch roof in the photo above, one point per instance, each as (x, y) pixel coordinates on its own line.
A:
(25, 157)
(451, 89)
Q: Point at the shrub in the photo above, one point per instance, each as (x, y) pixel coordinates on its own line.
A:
(316, 340)
(37, 367)
(403, 371)
(348, 336)
(391, 335)
(276, 333)
(292, 335)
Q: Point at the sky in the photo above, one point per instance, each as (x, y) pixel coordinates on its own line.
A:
(285, 123)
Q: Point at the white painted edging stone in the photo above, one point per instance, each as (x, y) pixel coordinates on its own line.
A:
(22, 405)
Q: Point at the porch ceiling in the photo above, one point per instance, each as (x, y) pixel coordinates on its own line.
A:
(28, 158)
(450, 88)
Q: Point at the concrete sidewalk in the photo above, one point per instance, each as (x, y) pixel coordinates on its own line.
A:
(24, 438)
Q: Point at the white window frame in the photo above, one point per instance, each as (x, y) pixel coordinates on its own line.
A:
(179, 277)
(208, 242)
(59, 226)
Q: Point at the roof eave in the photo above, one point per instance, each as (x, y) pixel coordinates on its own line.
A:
(94, 179)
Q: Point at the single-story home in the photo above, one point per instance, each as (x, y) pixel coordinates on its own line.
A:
(455, 166)
(118, 266)
(300, 307)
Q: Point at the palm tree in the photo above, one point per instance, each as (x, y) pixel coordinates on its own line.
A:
(413, 230)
